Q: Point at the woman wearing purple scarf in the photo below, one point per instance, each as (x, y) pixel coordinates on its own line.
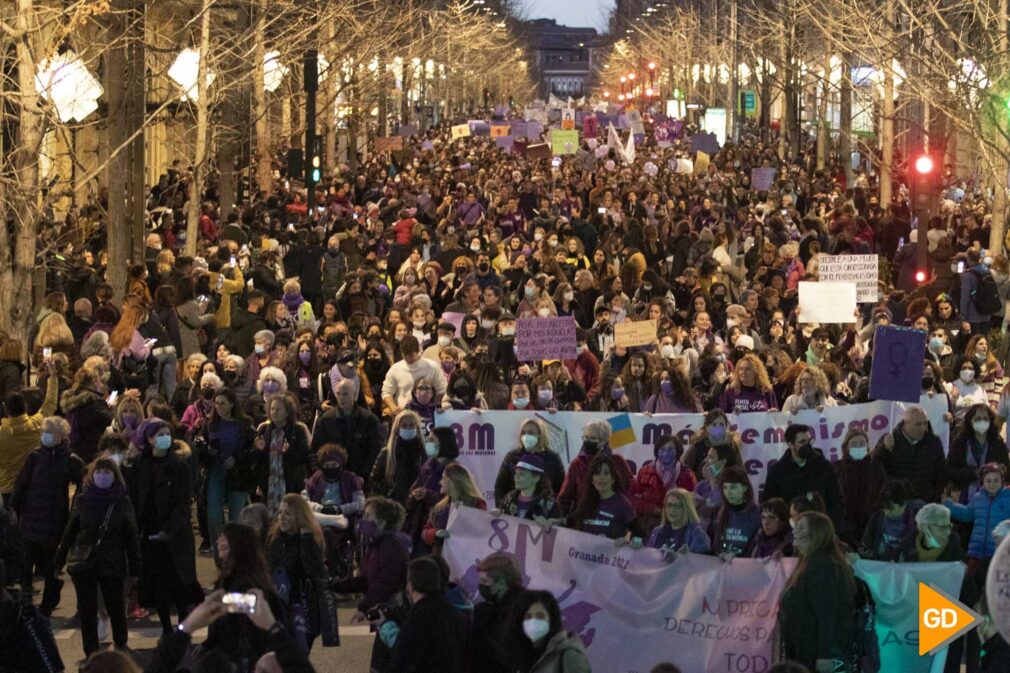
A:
(441, 449)
(102, 519)
(422, 401)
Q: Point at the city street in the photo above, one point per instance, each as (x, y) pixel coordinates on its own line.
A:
(352, 656)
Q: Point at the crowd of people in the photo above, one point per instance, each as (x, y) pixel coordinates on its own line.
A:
(287, 380)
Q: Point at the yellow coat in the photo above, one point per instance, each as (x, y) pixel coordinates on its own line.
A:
(228, 288)
(20, 435)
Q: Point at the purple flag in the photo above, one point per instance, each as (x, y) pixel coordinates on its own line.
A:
(897, 363)
(505, 142)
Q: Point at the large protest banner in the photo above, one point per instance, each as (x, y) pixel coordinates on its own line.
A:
(895, 590)
(485, 438)
(632, 609)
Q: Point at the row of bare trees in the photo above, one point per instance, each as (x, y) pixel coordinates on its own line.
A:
(940, 68)
(380, 63)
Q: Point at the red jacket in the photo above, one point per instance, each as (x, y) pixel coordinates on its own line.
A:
(404, 229)
(208, 228)
(577, 479)
(585, 370)
(647, 491)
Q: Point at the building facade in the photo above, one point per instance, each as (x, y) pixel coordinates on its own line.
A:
(566, 59)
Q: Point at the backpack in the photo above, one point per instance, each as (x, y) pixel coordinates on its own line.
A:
(985, 296)
(135, 372)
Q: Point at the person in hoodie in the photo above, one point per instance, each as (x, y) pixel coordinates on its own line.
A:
(159, 487)
(804, 469)
(537, 642)
(984, 511)
(42, 503)
(585, 368)
(595, 441)
(19, 432)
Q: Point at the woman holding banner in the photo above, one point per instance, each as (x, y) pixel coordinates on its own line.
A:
(816, 609)
(679, 529)
(739, 518)
(603, 508)
(533, 439)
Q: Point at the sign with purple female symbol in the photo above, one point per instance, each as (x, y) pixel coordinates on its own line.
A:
(898, 354)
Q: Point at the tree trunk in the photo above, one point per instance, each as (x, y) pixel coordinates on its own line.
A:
(823, 123)
(845, 117)
(261, 110)
(17, 261)
(202, 114)
(136, 86)
(1000, 200)
(118, 232)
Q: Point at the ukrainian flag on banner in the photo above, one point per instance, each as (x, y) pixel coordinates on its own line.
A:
(621, 432)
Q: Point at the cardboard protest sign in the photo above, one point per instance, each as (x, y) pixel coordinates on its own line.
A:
(545, 338)
(634, 333)
(701, 162)
(568, 119)
(564, 142)
(897, 363)
(827, 302)
(460, 131)
(538, 151)
(761, 179)
(859, 269)
(505, 142)
(388, 144)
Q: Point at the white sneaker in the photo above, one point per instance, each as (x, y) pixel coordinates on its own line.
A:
(104, 628)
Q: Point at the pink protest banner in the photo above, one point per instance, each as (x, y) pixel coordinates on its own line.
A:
(589, 126)
(454, 319)
(632, 609)
(545, 338)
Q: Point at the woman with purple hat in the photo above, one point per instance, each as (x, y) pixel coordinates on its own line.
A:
(532, 497)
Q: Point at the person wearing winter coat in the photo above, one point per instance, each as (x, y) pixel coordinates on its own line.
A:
(913, 452)
(532, 498)
(987, 508)
(282, 443)
(295, 549)
(533, 438)
(976, 443)
(432, 637)
(804, 469)
(399, 464)
(536, 640)
(595, 441)
(440, 449)
(500, 586)
(890, 525)
(383, 571)
(654, 480)
(42, 504)
(19, 432)
(861, 481)
(88, 413)
(351, 426)
(114, 551)
(816, 609)
(934, 540)
(159, 486)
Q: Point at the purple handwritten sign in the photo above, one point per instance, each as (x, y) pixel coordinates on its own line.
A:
(545, 338)
(897, 363)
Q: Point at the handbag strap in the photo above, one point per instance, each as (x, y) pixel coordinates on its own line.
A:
(105, 524)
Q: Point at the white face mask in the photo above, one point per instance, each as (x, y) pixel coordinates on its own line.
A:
(569, 296)
(544, 312)
(444, 341)
(667, 351)
(535, 629)
(858, 452)
(967, 375)
(980, 427)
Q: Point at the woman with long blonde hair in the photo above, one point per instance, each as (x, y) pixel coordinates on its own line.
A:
(397, 466)
(811, 391)
(458, 487)
(749, 388)
(56, 335)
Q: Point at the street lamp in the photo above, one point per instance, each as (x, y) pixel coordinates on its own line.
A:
(620, 97)
(274, 71)
(184, 73)
(606, 94)
(624, 81)
(652, 73)
(66, 82)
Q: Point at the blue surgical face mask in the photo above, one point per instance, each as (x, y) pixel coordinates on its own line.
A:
(431, 449)
(48, 439)
(162, 443)
(408, 433)
(104, 479)
(520, 402)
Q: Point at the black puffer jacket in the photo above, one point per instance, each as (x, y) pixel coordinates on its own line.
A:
(922, 463)
(89, 415)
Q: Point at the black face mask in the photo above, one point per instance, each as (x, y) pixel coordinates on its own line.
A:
(207, 393)
(230, 376)
(332, 473)
(462, 391)
(486, 592)
(927, 383)
(591, 447)
(483, 266)
(806, 451)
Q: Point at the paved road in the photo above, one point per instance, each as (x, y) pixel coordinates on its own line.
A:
(351, 657)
